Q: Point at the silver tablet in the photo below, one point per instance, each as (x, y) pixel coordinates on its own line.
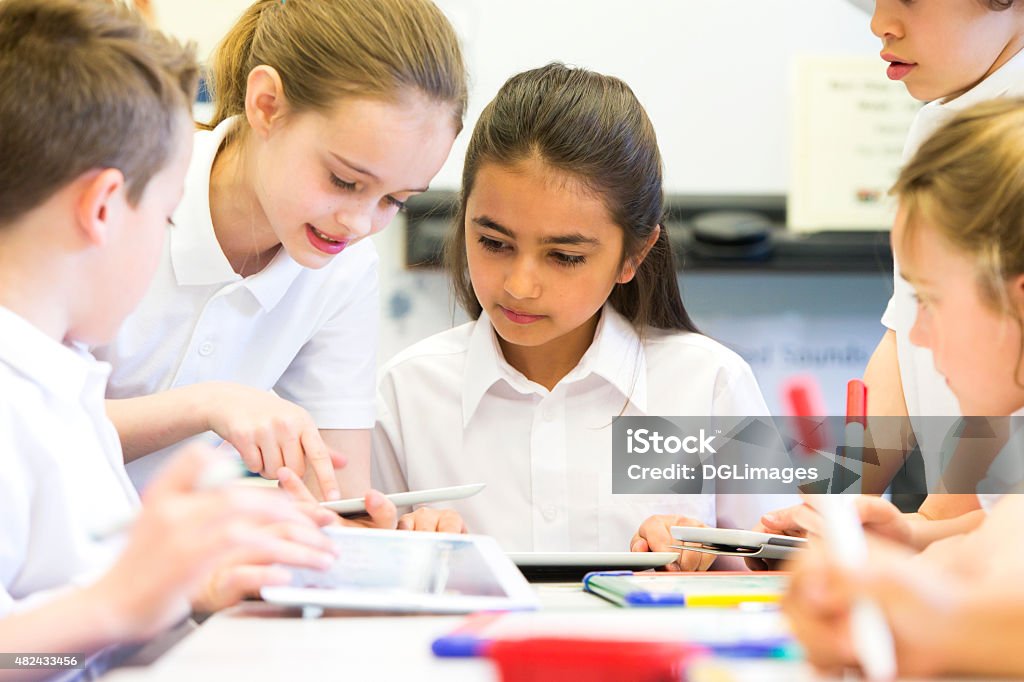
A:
(734, 542)
(357, 505)
(408, 571)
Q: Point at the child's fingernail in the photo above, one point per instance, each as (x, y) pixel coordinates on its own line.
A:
(333, 495)
(770, 518)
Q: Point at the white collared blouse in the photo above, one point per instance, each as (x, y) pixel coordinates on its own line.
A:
(451, 410)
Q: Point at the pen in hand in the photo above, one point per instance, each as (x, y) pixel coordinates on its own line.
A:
(872, 638)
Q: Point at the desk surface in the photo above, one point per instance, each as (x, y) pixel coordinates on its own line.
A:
(257, 641)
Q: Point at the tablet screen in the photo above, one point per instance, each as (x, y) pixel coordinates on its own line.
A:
(417, 563)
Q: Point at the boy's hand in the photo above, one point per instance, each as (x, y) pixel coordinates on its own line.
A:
(243, 572)
(655, 535)
(183, 533)
(270, 432)
(433, 521)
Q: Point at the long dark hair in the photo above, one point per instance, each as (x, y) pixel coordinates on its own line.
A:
(591, 127)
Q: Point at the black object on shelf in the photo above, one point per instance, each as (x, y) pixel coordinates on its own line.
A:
(707, 233)
(731, 236)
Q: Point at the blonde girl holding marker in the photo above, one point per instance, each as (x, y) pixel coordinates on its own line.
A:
(959, 240)
(328, 117)
(560, 255)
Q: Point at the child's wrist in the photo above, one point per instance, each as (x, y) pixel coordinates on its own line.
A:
(204, 399)
(109, 611)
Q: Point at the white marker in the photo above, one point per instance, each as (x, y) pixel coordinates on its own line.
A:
(872, 639)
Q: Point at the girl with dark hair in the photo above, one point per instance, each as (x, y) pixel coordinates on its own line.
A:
(559, 254)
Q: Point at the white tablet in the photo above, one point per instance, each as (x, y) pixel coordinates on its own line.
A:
(595, 561)
(357, 505)
(408, 571)
(734, 542)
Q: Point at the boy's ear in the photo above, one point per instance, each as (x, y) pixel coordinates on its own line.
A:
(264, 99)
(631, 265)
(102, 199)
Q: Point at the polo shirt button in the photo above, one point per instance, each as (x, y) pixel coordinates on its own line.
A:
(205, 348)
(548, 413)
(549, 512)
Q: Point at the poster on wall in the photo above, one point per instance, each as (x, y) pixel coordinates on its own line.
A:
(849, 124)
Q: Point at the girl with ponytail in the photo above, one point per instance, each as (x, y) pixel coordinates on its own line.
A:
(559, 253)
(260, 326)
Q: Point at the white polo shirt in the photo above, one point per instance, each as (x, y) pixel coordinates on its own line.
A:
(451, 410)
(924, 388)
(310, 335)
(62, 475)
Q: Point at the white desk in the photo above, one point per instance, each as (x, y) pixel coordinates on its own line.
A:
(255, 642)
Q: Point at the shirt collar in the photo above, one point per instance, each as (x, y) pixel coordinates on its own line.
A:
(616, 355)
(485, 366)
(68, 372)
(270, 284)
(196, 255)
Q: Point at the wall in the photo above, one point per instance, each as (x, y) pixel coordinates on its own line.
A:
(713, 74)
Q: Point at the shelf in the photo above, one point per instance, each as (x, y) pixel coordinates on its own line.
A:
(430, 216)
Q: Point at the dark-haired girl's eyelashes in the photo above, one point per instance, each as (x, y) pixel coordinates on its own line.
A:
(566, 260)
(351, 186)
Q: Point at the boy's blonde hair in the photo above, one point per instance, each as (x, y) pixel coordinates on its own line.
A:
(327, 49)
(967, 182)
(84, 84)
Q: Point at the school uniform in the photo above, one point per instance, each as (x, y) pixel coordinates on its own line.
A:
(309, 335)
(62, 475)
(925, 390)
(452, 410)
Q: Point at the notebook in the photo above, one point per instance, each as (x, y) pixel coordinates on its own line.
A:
(724, 589)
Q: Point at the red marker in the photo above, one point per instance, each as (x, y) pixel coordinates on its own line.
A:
(857, 402)
(802, 397)
(853, 435)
